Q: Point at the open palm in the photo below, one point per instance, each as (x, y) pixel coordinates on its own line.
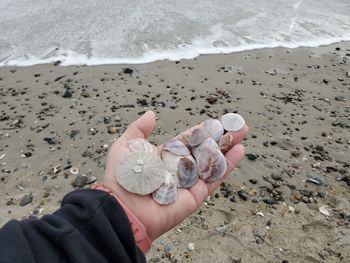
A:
(158, 219)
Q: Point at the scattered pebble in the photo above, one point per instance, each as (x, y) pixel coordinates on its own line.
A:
(28, 198)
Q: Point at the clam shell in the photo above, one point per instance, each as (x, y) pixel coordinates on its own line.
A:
(208, 142)
(197, 136)
(211, 164)
(187, 172)
(214, 127)
(232, 122)
(140, 172)
(226, 142)
(176, 147)
(141, 145)
(167, 192)
(171, 162)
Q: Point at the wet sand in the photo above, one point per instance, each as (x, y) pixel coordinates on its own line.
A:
(295, 101)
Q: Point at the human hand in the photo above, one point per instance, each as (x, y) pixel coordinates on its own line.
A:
(158, 219)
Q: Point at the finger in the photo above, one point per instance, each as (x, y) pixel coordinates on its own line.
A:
(142, 127)
(238, 136)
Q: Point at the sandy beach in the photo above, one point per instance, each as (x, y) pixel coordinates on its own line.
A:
(289, 201)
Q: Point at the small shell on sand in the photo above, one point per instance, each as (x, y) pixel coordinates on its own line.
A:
(141, 145)
(167, 192)
(232, 122)
(214, 127)
(74, 170)
(140, 172)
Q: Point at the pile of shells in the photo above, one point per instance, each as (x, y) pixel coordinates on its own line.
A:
(181, 162)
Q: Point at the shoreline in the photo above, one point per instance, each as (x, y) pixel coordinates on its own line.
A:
(295, 102)
(163, 56)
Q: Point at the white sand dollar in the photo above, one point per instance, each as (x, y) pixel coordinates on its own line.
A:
(140, 172)
(232, 122)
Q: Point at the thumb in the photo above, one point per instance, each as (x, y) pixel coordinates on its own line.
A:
(141, 128)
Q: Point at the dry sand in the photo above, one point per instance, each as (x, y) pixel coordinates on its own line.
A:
(295, 101)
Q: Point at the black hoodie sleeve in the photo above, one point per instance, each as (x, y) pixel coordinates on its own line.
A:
(90, 226)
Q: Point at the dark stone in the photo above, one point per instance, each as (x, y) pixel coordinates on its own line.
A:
(253, 181)
(28, 198)
(80, 181)
(211, 99)
(252, 156)
(68, 93)
(270, 201)
(276, 177)
(50, 140)
(243, 195)
(128, 71)
(57, 63)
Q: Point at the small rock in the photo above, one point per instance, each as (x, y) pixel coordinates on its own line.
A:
(211, 99)
(243, 195)
(190, 246)
(298, 196)
(221, 229)
(128, 71)
(28, 198)
(276, 177)
(68, 93)
(167, 248)
(252, 156)
(112, 130)
(80, 181)
(91, 179)
(253, 181)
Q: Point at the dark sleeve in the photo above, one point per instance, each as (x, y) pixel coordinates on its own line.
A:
(90, 226)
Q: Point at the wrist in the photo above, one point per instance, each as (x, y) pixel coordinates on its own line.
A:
(141, 237)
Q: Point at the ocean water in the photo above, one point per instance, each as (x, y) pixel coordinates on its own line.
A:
(96, 32)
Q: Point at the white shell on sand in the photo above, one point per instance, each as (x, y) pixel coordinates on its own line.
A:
(232, 122)
(214, 127)
(167, 192)
(141, 145)
(140, 172)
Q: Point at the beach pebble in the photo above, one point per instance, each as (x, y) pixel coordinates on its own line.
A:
(190, 246)
(28, 198)
(80, 181)
(252, 156)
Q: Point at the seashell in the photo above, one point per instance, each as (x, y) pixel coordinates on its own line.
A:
(141, 145)
(232, 122)
(171, 162)
(197, 136)
(187, 172)
(209, 142)
(214, 127)
(226, 142)
(211, 164)
(140, 172)
(167, 192)
(182, 168)
(324, 210)
(176, 147)
(74, 170)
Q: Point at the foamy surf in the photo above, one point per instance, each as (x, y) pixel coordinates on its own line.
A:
(118, 32)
